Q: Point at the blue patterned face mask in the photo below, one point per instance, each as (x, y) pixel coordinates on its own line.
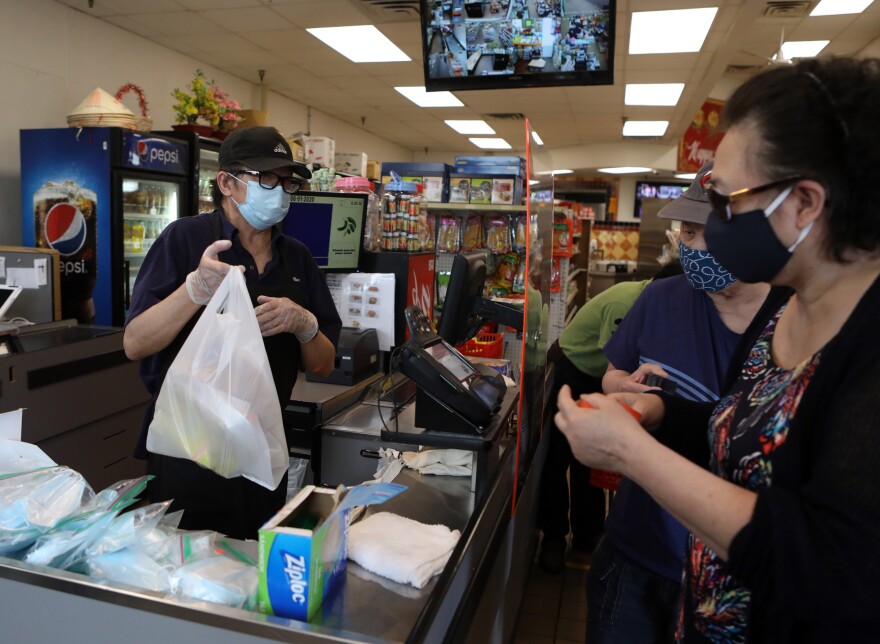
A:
(702, 271)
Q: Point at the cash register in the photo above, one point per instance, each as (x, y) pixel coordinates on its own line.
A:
(454, 395)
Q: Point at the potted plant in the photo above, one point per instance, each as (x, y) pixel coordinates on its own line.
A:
(204, 102)
(227, 112)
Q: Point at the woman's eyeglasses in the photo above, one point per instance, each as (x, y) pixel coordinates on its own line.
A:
(721, 203)
(270, 180)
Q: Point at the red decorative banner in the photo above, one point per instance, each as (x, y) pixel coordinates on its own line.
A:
(702, 137)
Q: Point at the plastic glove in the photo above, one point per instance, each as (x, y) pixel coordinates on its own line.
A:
(281, 315)
(202, 282)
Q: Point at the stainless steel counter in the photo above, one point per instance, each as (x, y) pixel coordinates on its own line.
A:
(364, 608)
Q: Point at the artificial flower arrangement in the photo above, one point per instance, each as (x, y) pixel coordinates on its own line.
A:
(207, 102)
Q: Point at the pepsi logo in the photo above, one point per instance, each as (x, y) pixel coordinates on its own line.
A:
(143, 149)
(65, 228)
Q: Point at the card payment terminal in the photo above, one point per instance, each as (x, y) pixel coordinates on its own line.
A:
(453, 394)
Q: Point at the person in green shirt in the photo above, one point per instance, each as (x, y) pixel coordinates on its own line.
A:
(580, 363)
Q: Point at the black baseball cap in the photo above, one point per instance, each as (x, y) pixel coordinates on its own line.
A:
(693, 204)
(261, 148)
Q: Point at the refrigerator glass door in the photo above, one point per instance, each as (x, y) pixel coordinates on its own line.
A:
(209, 165)
(148, 205)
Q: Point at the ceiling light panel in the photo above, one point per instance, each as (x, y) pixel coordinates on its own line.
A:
(670, 32)
(625, 170)
(840, 7)
(690, 176)
(645, 128)
(490, 144)
(802, 48)
(475, 126)
(360, 44)
(423, 98)
(664, 94)
(536, 138)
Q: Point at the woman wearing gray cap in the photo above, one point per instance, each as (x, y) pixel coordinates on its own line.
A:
(297, 317)
(786, 522)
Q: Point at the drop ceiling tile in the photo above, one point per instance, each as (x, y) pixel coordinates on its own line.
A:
(205, 5)
(98, 11)
(322, 13)
(661, 62)
(179, 23)
(866, 27)
(291, 38)
(128, 7)
(226, 43)
(177, 43)
(248, 19)
(819, 28)
(133, 26)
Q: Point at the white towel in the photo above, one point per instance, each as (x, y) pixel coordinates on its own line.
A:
(453, 462)
(401, 549)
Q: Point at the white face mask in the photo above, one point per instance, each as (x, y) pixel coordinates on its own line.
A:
(263, 208)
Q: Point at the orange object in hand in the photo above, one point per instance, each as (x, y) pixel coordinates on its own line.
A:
(602, 478)
(633, 412)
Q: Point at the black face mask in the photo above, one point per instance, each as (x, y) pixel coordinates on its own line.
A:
(748, 247)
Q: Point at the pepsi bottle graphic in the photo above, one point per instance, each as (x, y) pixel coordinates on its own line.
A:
(64, 220)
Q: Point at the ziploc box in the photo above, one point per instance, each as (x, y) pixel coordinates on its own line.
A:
(302, 549)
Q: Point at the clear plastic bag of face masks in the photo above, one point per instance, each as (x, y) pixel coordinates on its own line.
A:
(218, 580)
(133, 567)
(65, 545)
(128, 529)
(32, 503)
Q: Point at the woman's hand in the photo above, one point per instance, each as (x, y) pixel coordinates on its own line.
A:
(600, 436)
(650, 407)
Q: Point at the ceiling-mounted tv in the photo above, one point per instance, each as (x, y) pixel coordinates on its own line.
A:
(492, 44)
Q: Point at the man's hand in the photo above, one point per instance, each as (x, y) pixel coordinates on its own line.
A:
(281, 315)
(635, 383)
(203, 282)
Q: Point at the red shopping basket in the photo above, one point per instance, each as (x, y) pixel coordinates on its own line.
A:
(485, 345)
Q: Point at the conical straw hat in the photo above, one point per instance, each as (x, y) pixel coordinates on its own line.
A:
(100, 102)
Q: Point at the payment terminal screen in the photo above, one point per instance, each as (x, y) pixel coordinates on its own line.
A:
(443, 353)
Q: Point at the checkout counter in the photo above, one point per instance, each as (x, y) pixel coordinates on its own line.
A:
(83, 398)
(472, 600)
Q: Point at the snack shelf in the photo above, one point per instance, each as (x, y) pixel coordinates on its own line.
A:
(476, 207)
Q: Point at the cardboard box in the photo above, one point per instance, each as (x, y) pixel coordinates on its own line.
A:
(433, 189)
(502, 191)
(298, 152)
(374, 170)
(426, 173)
(459, 190)
(320, 150)
(481, 191)
(302, 549)
(351, 163)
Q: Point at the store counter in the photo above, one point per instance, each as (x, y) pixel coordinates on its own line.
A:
(84, 400)
(364, 608)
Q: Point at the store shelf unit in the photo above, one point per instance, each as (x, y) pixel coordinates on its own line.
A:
(579, 270)
(443, 263)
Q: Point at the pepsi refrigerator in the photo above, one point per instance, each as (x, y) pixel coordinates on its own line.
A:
(100, 196)
(204, 164)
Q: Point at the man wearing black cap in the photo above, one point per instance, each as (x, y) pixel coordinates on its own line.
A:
(296, 314)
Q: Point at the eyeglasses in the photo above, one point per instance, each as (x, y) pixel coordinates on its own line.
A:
(721, 203)
(270, 180)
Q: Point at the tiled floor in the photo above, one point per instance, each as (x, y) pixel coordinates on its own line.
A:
(554, 607)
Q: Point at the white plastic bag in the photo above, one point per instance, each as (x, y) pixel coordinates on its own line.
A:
(218, 405)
